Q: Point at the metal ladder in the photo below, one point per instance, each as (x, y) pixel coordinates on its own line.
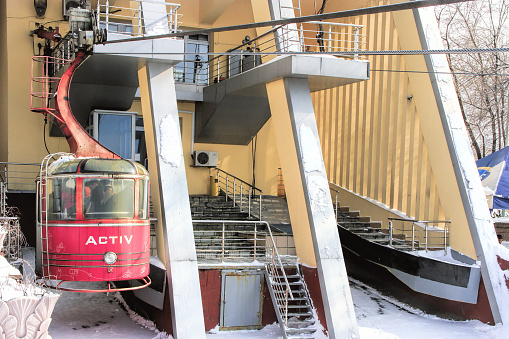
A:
(42, 211)
(295, 315)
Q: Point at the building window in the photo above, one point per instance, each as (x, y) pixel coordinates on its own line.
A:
(195, 68)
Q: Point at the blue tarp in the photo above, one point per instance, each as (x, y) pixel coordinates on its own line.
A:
(494, 172)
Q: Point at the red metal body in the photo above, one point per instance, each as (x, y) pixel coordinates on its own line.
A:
(78, 234)
(76, 251)
(75, 239)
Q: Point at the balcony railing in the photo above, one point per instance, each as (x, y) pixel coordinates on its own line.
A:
(310, 37)
(424, 235)
(142, 17)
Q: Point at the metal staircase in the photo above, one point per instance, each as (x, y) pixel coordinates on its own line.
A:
(293, 306)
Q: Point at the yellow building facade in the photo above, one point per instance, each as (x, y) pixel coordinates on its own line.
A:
(384, 145)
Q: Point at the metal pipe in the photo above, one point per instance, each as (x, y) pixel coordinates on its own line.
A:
(254, 249)
(222, 244)
(413, 237)
(426, 237)
(260, 206)
(390, 233)
(241, 197)
(445, 239)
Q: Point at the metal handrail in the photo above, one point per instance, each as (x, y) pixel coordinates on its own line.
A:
(239, 190)
(273, 263)
(426, 230)
(19, 179)
(110, 14)
(287, 39)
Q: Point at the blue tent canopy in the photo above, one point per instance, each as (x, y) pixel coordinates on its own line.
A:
(494, 172)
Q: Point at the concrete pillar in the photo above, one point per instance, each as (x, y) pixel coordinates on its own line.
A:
(309, 202)
(169, 186)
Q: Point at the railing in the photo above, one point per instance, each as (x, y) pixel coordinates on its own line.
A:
(142, 17)
(243, 240)
(422, 233)
(242, 194)
(312, 37)
(281, 288)
(44, 82)
(18, 176)
(335, 201)
(11, 237)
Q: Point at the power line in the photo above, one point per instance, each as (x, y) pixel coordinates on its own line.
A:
(317, 17)
(338, 53)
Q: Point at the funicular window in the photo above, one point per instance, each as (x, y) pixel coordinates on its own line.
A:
(108, 198)
(143, 206)
(62, 199)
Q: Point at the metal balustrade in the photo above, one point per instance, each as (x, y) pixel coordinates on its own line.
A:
(142, 17)
(312, 37)
(241, 193)
(19, 176)
(422, 234)
(241, 241)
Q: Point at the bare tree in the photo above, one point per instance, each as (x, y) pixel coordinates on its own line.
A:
(481, 78)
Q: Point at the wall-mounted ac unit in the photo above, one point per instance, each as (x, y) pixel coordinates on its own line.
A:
(204, 158)
(67, 5)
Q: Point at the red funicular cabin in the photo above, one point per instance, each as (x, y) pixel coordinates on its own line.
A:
(93, 207)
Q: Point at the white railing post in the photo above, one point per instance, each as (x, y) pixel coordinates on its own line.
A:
(249, 201)
(234, 192)
(426, 237)
(356, 43)
(260, 205)
(413, 236)
(241, 196)
(106, 14)
(226, 190)
(254, 250)
(390, 233)
(445, 238)
(222, 244)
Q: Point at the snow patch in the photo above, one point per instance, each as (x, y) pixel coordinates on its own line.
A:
(140, 320)
(311, 153)
(170, 140)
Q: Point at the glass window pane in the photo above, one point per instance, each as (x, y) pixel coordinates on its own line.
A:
(143, 212)
(108, 198)
(115, 132)
(108, 166)
(62, 199)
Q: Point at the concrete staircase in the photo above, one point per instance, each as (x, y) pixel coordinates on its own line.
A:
(370, 230)
(224, 241)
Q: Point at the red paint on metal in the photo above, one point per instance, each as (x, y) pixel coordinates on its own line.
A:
(210, 283)
(315, 293)
(76, 252)
(268, 313)
(504, 265)
(80, 142)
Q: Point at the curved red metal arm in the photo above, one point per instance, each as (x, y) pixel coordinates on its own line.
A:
(80, 142)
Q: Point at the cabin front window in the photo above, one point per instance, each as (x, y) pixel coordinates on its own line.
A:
(108, 198)
(62, 199)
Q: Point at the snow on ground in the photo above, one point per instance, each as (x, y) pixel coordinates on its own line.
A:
(98, 315)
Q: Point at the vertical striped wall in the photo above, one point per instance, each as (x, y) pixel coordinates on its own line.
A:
(370, 131)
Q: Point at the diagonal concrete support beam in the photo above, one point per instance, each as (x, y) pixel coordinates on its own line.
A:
(309, 202)
(169, 186)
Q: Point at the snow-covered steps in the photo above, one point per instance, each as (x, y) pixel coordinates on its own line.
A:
(295, 315)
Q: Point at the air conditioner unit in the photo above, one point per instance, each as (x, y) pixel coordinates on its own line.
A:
(67, 5)
(205, 159)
